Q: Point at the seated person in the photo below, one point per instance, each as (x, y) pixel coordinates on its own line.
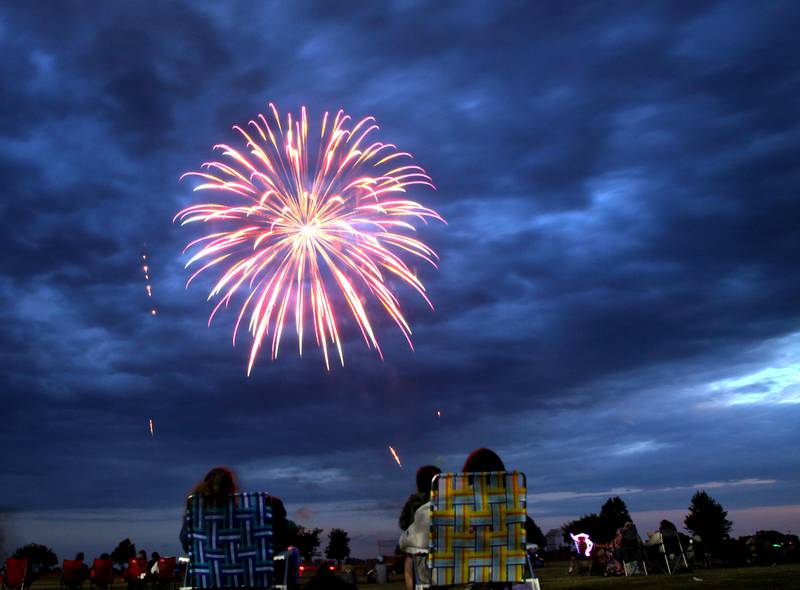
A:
(75, 572)
(217, 484)
(215, 489)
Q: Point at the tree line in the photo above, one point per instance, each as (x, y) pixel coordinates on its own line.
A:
(706, 518)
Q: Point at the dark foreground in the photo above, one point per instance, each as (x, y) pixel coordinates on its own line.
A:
(555, 577)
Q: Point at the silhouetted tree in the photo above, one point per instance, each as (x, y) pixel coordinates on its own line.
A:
(40, 557)
(338, 545)
(306, 541)
(124, 551)
(614, 514)
(708, 519)
(600, 527)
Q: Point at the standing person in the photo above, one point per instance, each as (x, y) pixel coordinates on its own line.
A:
(425, 475)
(152, 567)
(84, 575)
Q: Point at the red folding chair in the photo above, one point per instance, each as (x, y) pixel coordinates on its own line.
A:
(135, 572)
(102, 573)
(166, 572)
(72, 573)
(16, 574)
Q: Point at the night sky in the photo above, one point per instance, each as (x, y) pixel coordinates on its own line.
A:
(617, 305)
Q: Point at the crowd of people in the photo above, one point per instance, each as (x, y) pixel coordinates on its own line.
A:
(414, 522)
(627, 554)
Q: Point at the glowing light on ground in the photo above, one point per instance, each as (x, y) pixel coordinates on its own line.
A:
(292, 225)
(580, 539)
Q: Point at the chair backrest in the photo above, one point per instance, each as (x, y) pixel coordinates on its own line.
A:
(230, 545)
(670, 540)
(136, 567)
(16, 570)
(477, 528)
(102, 571)
(71, 571)
(166, 568)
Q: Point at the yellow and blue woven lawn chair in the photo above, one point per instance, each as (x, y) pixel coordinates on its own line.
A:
(477, 530)
(231, 545)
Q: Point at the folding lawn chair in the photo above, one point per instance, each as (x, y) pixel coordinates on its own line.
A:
(632, 553)
(16, 574)
(671, 550)
(478, 530)
(101, 574)
(135, 573)
(72, 574)
(230, 546)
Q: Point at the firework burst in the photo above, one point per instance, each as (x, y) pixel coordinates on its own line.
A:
(299, 227)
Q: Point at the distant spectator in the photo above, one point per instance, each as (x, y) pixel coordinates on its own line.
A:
(152, 566)
(84, 575)
(425, 475)
(349, 575)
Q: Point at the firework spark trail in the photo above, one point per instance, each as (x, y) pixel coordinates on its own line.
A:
(296, 232)
(148, 287)
(396, 458)
(152, 432)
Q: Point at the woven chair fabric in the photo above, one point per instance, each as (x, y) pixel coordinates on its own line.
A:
(478, 528)
(231, 546)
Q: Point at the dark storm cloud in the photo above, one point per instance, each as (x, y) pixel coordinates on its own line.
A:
(617, 273)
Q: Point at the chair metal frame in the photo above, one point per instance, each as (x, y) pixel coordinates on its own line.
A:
(532, 581)
(679, 555)
(641, 557)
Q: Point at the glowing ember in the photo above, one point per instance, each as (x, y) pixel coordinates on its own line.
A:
(302, 228)
(147, 286)
(396, 458)
(152, 432)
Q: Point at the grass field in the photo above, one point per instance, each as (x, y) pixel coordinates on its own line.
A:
(554, 577)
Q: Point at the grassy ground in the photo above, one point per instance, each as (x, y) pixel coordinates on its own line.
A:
(554, 577)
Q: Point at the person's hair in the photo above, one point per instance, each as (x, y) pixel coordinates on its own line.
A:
(424, 476)
(216, 485)
(667, 525)
(155, 555)
(104, 556)
(79, 556)
(142, 553)
(483, 460)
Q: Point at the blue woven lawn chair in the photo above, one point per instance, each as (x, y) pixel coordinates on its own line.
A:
(230, 546)
(478, 529)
